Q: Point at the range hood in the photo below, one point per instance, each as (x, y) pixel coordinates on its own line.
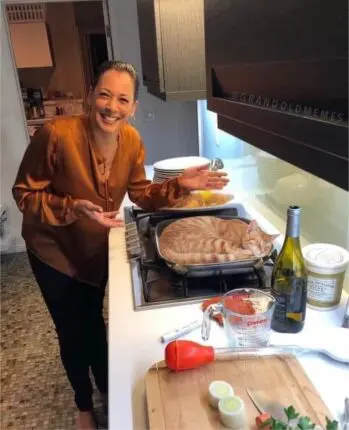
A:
(282, 83)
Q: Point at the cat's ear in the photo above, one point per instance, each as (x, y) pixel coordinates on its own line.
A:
(252, 226)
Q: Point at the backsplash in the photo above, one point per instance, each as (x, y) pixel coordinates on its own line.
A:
(66, 106)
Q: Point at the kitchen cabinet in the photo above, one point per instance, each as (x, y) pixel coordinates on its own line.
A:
(277, 76)
(30, 44)
(172, 48)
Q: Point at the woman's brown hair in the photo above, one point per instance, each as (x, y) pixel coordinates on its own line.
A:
(119, 66)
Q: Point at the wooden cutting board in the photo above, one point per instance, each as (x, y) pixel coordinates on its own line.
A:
(178, 400)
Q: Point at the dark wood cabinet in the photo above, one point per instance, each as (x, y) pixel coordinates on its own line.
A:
(172, 48)
(277, 76)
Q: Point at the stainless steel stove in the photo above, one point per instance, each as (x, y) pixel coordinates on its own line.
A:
(155, 284)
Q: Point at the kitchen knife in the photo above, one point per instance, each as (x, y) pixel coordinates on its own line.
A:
(265, 404)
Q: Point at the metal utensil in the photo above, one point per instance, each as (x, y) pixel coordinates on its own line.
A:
(216, 164)
(133, 246)
(346, 414)
(265, 403)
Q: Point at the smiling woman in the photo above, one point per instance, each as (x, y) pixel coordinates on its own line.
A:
(114, 97)
(70, 184)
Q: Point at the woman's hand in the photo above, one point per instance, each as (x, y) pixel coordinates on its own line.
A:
(95, 213)
(200, 178)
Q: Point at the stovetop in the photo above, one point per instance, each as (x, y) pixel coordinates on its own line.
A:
(155, 284)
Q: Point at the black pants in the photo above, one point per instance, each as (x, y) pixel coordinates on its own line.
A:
(76, 309)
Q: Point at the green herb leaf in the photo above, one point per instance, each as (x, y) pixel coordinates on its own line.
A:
(278, 425)
(304, 423)
(291, 413)
(266, 423)
(331, 425)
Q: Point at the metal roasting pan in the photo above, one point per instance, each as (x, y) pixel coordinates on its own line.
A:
(203, 270)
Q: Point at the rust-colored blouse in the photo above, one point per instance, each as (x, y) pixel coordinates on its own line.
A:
(62, 164)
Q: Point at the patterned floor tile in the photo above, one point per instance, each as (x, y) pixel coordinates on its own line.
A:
(35, 393)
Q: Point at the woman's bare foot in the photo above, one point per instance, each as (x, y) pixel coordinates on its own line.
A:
(85, 421)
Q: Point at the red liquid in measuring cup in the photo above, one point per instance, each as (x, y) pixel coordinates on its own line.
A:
(239, 304)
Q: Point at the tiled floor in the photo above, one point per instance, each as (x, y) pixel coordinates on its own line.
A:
(35, 393)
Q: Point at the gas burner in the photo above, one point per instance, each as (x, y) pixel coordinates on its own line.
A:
(155, 284)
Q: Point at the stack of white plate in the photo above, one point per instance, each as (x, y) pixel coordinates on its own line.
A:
(172, 167)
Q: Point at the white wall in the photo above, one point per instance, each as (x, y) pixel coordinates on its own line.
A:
(214, 142)
(13, 137)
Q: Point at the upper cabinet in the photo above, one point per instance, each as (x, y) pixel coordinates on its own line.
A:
(172, 48)
(30, 45)
(29, 35)
(277, 76)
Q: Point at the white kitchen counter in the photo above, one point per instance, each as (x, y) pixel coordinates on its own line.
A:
(134, 344)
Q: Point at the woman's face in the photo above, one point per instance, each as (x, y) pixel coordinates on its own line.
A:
(112, 101)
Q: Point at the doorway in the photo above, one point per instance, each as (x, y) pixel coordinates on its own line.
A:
(57, 48)
(98, 51)
(92, 19)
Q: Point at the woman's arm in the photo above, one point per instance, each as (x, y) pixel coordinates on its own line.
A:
(155, 196)
(31, 190)
(151, 196)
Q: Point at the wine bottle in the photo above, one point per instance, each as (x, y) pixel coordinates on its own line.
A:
(289, 279)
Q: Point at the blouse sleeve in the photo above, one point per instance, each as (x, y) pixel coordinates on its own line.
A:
(147, 195)
(32, 188)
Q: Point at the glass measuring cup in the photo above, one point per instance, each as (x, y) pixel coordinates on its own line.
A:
(246, 314)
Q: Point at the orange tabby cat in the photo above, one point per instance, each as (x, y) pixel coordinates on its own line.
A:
(209, 239)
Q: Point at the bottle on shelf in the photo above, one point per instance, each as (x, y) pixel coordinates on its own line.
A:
(36, 102)
(289, 279)
(26, 103)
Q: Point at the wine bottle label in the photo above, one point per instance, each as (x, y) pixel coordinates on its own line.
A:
(291, 306)
(322, 290)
